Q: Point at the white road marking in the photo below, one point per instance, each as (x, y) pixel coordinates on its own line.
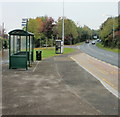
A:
(36, 66)
(101, 54)
(108, 87)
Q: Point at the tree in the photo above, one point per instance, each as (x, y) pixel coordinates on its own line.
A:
(70, 30)
(106, 32)
(33, 26)
(87, 32)
(45, 29)
(84, 33)
(42, 27)
(48, 27)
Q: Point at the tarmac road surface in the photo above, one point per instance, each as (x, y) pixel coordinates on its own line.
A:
(100, 54)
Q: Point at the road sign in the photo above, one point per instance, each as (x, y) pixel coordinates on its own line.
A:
(24, 21)
(23, 24)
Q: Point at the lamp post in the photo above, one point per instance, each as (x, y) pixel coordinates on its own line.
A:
(113, 28)
(63, 26)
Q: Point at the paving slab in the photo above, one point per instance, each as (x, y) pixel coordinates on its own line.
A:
(54, 86)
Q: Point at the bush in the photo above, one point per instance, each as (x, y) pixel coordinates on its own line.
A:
(50, 42)
(118, 43)
(110, 42)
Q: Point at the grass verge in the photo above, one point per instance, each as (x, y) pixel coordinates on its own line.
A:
(49, 52)
(116, 50)
(80, 43)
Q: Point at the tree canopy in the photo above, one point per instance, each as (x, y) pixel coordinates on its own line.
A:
(106, 32)
(46, 27)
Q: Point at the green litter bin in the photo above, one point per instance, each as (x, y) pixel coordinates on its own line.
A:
(38, 55)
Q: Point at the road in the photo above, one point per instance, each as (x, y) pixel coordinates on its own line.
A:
(100, 54)
(106, 73)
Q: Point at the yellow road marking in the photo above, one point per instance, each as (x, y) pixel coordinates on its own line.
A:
(90, 71)
(115, 72)
(108, 82)
(101, 61)
(103, 72)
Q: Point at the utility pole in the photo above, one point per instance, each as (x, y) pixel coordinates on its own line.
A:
(3, 29)
(26, 25)
(63, 25)
(46, 42)
(113, 28)
(52, 41)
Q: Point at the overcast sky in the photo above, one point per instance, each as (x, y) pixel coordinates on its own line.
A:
(84, 13)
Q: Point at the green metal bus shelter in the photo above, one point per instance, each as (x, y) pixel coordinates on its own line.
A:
(21, 44)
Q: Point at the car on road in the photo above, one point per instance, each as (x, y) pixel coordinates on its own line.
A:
(45, 45)
(98, 40)
(93, 42)
(87, 41)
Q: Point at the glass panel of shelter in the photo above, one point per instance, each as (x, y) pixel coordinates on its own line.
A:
(11, 44)
(23, 43)
(18, 43)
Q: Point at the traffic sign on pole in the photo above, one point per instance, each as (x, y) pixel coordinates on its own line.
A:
(23, 24)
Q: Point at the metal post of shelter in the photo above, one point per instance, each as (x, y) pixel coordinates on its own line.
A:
(9, 51)
(29, 52)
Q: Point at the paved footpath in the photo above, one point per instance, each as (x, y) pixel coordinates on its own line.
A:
(55, 86)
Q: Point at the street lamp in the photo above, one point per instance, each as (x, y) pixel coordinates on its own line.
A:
(113, 27)
(63, 25)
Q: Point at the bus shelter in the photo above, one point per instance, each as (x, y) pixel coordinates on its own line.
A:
(21, 44)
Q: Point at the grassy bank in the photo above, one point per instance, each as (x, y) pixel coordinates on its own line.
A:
(108, 49)
(49, 52)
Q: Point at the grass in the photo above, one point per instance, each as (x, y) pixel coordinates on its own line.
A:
(76, 44)
(80, 43)
(49, 52)
(116, 50)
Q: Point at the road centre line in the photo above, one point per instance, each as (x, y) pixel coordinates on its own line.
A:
(105, 84)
